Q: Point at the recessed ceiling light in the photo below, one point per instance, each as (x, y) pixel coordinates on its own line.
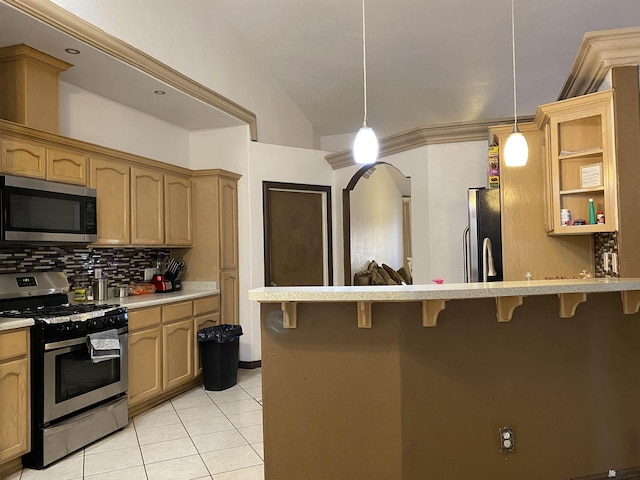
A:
(159, 92)
(72, 51)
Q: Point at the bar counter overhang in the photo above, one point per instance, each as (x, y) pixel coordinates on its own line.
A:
(414, 382)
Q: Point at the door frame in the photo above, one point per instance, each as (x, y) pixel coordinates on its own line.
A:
(267, 187)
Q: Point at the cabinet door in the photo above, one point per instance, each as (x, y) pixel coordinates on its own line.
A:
(177, 355)
(228, 226)
(145, 364)
(14, 409)
(229, 296)
(65, 166)
(177, 210)
(23, 158)
(202, 321)
(112, 183)
(147, 207)
(581, 164)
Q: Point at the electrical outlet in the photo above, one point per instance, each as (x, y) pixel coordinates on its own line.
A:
(507, 440)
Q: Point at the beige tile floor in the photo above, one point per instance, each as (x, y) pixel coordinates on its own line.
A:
(199, 435)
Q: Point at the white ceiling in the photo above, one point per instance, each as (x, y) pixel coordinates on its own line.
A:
(428, 61)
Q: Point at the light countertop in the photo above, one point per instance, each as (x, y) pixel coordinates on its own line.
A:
(190, 290)
(452, 291)
(12, 323)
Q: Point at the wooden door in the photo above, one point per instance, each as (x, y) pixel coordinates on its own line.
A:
(112, 183)
(297, 226)
(177, 210)
(147, 207)
(177, 355)
(145, 364)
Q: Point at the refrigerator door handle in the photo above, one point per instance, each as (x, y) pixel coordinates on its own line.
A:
(466, 238)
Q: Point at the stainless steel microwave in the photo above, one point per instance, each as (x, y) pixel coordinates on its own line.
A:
(33, 210)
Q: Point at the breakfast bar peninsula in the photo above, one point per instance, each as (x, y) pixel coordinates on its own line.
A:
(415, 382)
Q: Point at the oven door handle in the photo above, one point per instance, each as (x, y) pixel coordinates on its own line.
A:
(74, 341)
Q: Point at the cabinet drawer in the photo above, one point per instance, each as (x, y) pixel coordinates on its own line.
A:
(145, 317)
(14, 343)
(205, 305)
(176, 311)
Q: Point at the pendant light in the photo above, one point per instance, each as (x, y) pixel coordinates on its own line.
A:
(365, 146)
(516, 150)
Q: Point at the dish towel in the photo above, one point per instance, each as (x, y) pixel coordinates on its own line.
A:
(103, 345)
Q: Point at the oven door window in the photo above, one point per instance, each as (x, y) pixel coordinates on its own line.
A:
(76, 374)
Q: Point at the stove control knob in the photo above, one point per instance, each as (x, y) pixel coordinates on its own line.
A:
(62, 329)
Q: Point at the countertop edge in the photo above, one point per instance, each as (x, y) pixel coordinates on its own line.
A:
(141, 301)
(453, 291)
(14, 323)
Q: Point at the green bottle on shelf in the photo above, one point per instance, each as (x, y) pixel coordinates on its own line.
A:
(592, 212)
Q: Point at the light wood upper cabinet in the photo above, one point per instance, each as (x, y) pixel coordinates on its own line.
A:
(15, 405)
(112, 183)
(580, 162)
(147, 207)
(20, 157)
(177, 210)
(29, 159)
(66, 166)
(228, 218)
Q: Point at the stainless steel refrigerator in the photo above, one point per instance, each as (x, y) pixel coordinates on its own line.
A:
(483, 236)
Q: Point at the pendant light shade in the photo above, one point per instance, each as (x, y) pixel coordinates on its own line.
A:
(365, 146)
(516, 150)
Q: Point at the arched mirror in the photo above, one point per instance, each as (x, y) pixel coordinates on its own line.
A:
(376, 221)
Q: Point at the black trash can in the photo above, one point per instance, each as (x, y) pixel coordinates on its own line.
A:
(219, 347)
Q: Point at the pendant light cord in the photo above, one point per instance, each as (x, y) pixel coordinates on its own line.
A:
(364, 66)
(513, 58)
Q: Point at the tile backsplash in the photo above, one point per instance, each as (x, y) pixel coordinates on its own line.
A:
(604, 242)
(120, 265)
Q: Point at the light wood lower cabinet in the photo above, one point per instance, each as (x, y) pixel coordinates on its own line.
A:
(163, 351)
(177, 354)
(230, 293)
(206, 314)
(145, 364)
(15, 413)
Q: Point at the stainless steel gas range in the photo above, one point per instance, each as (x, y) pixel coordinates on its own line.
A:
(78, 388)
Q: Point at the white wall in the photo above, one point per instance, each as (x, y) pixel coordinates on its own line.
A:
(98, 120)
(205, 49)
(276, 164)
(440, 176)
(376, 222)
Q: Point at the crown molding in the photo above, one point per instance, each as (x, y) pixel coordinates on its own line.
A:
(60, 19)
(599, 52)
(420, 136)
